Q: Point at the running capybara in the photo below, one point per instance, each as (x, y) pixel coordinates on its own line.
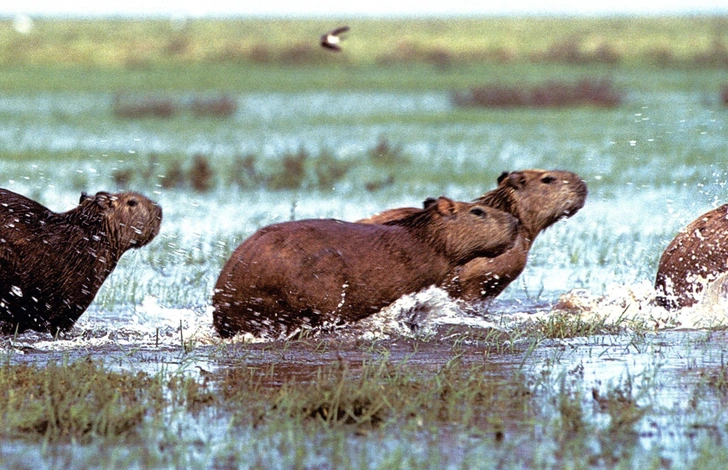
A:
(697, 255)
(53, 264)
(327, 271)
(538, 199)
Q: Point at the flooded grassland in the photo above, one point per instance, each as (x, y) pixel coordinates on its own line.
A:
(572, 366)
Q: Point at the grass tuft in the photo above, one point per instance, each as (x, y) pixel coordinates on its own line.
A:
(74, 402)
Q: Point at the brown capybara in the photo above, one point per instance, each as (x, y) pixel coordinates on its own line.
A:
(53, 264)
(326, 271)
(698, 254)
(538, 199)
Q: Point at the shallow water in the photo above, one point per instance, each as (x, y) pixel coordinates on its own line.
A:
(652, 166)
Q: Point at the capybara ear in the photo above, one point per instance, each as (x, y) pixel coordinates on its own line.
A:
(502, 177)
(445, 206)
(517, 180)
(428, 202)
(84, 196)
(104, 200)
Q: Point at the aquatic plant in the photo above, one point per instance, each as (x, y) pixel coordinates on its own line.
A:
(562, 325)
(385, 153)
(586, 92)
(201, 174)
(221, 106)
(173, 176)
(137, 107)
(291, 172)
(79, 401)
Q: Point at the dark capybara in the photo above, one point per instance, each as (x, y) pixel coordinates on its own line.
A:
(53, 264)
(697, 255)
(320, 271)
(538, 199)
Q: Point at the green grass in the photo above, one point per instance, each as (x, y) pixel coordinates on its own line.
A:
(55, 77)
(253, 411)
(140, 43)
(76, 402)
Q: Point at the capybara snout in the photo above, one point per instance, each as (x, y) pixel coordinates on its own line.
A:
(326, 271)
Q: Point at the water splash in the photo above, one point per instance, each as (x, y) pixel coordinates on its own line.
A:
(634, 306)
(432, 311)
(147, 325)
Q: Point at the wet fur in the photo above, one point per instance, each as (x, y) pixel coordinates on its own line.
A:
(317, 271)
(538, 199)
(698, 254)
(53, 264)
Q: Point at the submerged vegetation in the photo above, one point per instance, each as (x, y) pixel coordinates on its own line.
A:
(77, 401)
(289, 171)
(549, 95)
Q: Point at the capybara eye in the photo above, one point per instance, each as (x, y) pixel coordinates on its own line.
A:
(478, 212)
(131, 202)
(548, 179)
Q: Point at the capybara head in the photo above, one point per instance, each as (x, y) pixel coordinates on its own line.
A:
(538, 198)
(130, 219)
(462, 230)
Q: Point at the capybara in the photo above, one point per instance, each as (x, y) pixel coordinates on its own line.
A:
(326, 271)
(697, 255)
(53, 264)
(538, 199)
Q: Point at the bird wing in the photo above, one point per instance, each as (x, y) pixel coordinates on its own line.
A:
(328, 45)
(339, 30)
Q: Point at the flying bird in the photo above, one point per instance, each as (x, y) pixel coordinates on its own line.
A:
(332, 39)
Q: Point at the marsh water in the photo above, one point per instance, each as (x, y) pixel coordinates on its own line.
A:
(652, 165)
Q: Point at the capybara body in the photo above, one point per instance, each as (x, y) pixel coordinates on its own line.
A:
(53, 264)
(538, 199)
(697, 255)
(318, 271)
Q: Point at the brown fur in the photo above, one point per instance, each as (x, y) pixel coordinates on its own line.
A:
(316, 271)
(53, 264)
(699, 253)
(538, 199)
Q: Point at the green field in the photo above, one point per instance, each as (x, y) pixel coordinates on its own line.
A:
(143, 43)
(259, 55)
